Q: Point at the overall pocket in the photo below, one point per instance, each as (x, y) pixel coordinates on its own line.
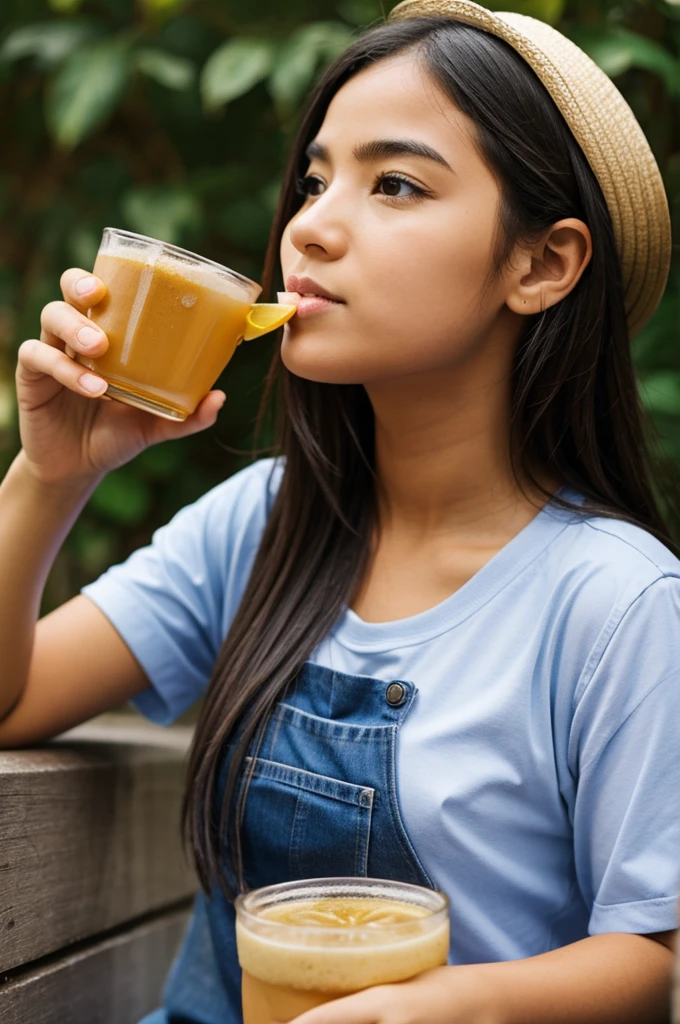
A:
(297, 824)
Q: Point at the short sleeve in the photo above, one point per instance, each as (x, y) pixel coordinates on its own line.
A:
(625, 754)
(173, 601)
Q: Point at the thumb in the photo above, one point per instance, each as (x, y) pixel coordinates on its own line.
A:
(360, 1008)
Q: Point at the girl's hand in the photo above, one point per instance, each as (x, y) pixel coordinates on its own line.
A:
(68, 435)
(446, 995)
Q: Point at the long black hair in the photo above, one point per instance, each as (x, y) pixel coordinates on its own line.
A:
(575, 410)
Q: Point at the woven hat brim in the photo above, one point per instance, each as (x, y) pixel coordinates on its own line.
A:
(608, 133)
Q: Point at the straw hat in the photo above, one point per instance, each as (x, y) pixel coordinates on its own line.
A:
(606, 130)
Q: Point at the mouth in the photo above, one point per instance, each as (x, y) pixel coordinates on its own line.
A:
(309, 296)
(306, 287)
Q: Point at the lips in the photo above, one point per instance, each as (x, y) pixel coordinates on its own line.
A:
(306, 286)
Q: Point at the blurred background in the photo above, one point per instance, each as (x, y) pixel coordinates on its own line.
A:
(172, 118)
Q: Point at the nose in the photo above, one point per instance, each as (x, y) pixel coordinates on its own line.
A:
(319, 228)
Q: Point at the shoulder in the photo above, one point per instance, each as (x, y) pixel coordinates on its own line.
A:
(196, 566)
(249, 489)
(240, 504)
(610, 561)
(213, 540)
(622, 543)
(617, 596)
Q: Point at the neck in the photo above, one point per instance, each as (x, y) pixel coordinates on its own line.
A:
(442, 452)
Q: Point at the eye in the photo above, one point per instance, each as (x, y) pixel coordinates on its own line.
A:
(392, 186)
(396, 187)
(310, 185)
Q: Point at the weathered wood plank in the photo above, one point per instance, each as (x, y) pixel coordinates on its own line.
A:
(89, 834)
(117, 981)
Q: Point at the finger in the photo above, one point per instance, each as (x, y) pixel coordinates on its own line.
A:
(360, 1008)
(37, 360)
(157, 429)
(82, 289)
(61, 323)
(206, 413)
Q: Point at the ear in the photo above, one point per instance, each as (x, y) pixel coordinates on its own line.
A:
(547, 270)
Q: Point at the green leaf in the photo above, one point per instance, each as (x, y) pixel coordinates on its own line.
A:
(161, 461)
(163, 7)
(122, 497)
(7, 404)
(94, 545)
(656, 347)
(298, 59)
(269, 195)
(293, 73)
(361, 12)
(246, 222)
(65, 6)
(50, 41)
(672, 175)
(234, 69)
(86, 90)
(166, 68)
(217, 183)
(83, 243)
(616, 50)
(660, 393)
(165, 212)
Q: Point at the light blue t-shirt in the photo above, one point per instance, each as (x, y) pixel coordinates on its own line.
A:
(539, 768)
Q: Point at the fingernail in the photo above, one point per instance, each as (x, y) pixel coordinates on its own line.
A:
(89, 337)
(95, 385)
(86, 285)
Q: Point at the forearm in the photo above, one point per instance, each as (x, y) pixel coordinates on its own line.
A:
(606, 979)
(34, 521)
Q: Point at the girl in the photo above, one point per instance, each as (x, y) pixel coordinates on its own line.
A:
(439, 635)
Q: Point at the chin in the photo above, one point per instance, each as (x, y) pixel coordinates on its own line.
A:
(310, 359)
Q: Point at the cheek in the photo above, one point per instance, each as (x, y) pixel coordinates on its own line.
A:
(287, 252)
(429, 282)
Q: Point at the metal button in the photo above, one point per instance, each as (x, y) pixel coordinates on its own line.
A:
(396, 695)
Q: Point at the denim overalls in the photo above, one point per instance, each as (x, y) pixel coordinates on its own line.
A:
(322, 800)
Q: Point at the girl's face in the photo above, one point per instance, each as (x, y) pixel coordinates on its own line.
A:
(404, 238)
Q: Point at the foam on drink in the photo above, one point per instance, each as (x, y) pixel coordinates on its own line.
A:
(191, 269)
(340, 945)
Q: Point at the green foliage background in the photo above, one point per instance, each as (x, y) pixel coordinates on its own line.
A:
(172, 118)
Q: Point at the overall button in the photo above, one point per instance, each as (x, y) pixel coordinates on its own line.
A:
(396, 695)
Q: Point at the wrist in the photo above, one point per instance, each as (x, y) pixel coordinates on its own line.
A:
(491, 980)
(476, 990)
(68, 491)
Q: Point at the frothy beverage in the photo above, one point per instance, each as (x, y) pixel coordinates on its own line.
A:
(159, 324)
(173, 320)
(297, 954)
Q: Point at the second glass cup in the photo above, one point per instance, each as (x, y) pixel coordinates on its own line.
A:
(173, 320)
(304, 943)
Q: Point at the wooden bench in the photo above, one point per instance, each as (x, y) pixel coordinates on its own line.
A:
(95, 893)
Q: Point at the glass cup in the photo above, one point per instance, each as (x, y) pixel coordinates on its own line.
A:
(304, 943)
(173, 320)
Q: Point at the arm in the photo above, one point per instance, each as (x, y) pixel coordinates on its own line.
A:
(605, 979)
(72, 664)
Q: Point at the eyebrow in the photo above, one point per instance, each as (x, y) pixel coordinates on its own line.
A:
(381, 148)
